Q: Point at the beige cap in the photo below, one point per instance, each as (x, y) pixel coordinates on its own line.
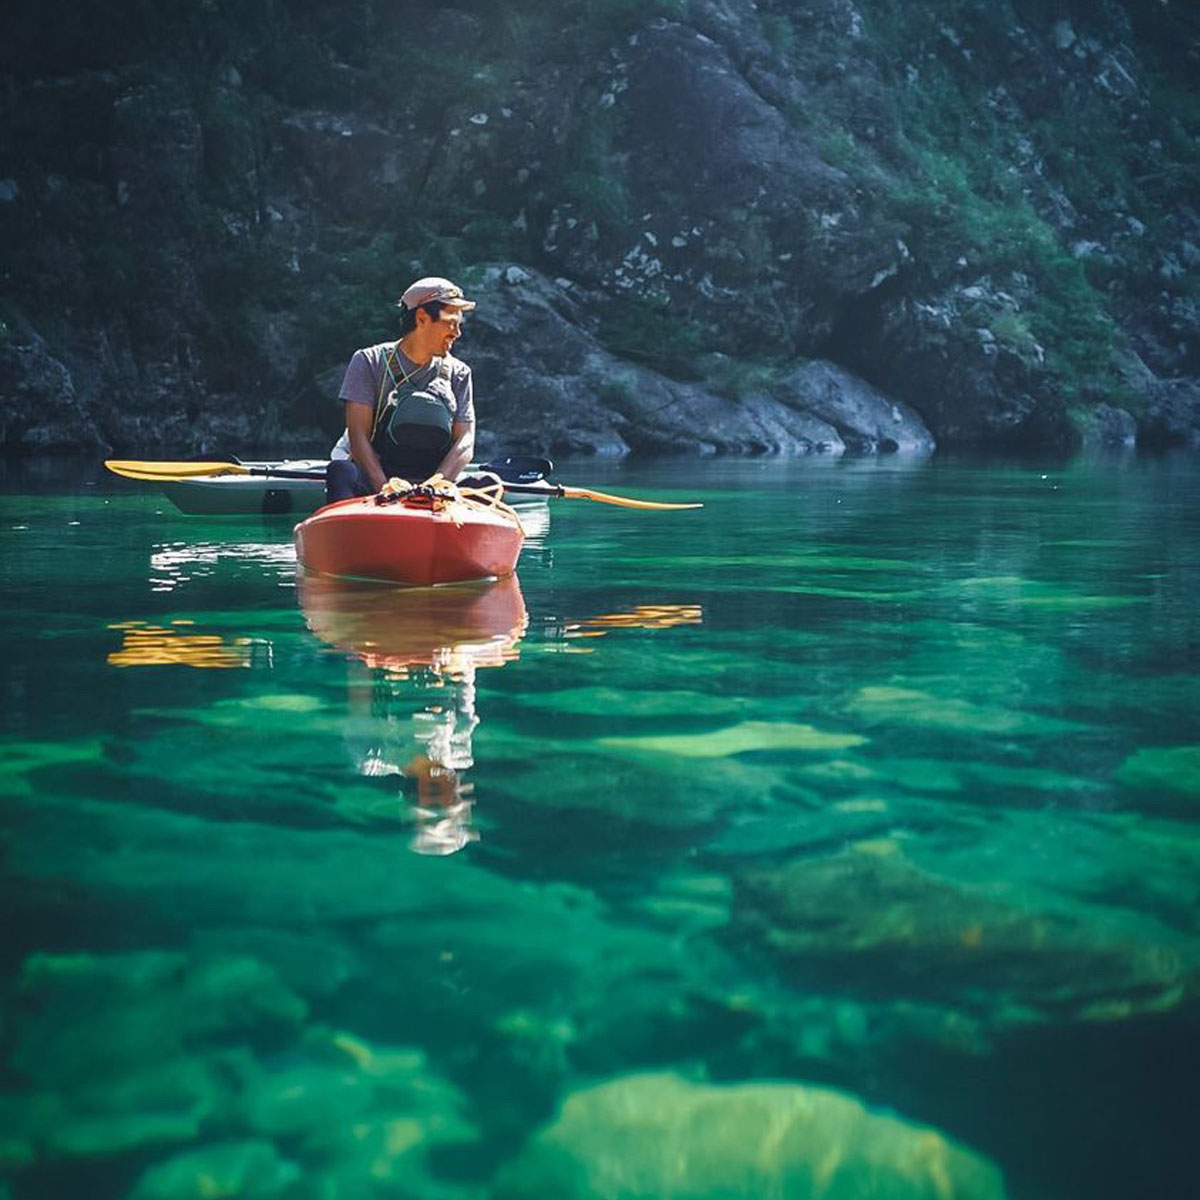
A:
(433, 287)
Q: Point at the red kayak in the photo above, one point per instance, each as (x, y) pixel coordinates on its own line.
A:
(419, 537)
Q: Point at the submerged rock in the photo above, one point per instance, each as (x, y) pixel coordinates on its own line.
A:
(870, 922)
(311, 964)
(303, 1099)
(244, 1169)
(128, 1052)
(126, 1056)
(648, 1137)
(105, 1136)
(1155, 769)
(364, 1120)
(93, 1014)
(744, 738)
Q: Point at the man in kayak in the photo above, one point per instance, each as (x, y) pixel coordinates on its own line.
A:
(410, 410)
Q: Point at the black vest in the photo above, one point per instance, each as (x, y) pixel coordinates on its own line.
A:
(414, 428)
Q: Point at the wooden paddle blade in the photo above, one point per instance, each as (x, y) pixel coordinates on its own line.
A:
(176, 472)
(133, 469)
(573, 493)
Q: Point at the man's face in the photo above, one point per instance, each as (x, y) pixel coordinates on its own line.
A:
(446, 330)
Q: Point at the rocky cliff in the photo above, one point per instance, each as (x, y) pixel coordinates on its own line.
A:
(693, 225)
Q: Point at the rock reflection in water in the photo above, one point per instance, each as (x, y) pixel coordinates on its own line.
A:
(413, 710)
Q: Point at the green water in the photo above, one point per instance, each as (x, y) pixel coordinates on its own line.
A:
(839, 839)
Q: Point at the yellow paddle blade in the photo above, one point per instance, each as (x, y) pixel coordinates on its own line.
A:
(574, 493)
(133, 469)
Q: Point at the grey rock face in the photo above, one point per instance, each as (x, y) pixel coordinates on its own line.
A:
(41, 409)
(1173, 416)
(569, 395)
(777, 184)
(869, 421)
(735, 219)
(1111, 427)
(965, 360)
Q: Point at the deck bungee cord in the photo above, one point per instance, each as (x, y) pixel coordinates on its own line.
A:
(438, 494)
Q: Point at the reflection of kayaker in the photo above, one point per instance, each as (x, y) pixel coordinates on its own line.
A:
(414, 714)
(443, 812)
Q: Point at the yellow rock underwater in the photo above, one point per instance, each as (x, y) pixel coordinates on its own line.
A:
(661, 1137)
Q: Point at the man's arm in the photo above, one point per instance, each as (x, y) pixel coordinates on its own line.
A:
(461, 452)
(358, 424)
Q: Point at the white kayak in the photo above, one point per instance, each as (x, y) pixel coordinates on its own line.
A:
(269, 495)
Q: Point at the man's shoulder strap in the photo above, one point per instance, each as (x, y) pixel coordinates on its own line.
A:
(387, 376)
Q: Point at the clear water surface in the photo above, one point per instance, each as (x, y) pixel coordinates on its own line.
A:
(839, 839)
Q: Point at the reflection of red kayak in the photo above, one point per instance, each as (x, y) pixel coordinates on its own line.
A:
(472, 624)
(453, 542)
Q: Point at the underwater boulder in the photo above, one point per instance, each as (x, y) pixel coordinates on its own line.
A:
(244, 1169)
(870, 922)
(82, 1018)
(302, 1098)
(653, 1137)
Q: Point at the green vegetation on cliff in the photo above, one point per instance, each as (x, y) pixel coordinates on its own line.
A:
(1026, 144)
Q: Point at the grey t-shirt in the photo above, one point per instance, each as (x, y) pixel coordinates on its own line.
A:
(368, 378)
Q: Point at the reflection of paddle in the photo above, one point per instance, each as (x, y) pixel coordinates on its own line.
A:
(515, 469)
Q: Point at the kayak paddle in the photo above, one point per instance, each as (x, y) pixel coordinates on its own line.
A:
(514, 469)
(168, 471)
(561, 491)
(527, 470)
(519, 468)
